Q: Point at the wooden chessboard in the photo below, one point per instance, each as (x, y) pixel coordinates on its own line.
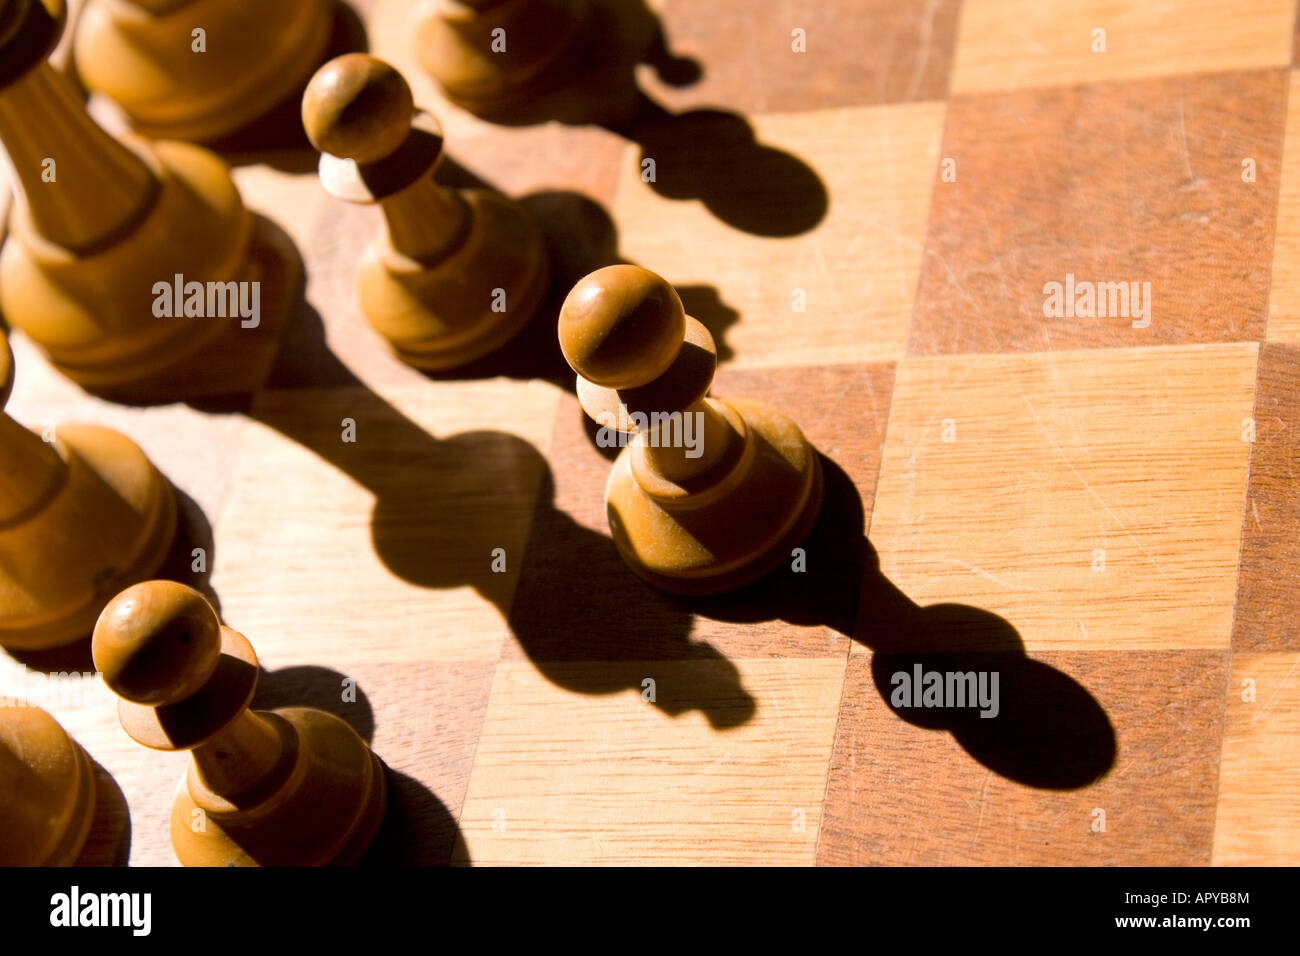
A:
(1101, 509)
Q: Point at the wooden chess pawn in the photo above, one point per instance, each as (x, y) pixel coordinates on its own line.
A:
(486, 54)
(710, 494)
(101, 233)
(294, 786)
(199, 69)
(47, 790)
(456, 273)
(82, 516)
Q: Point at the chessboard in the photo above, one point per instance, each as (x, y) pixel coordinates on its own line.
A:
(893, 216)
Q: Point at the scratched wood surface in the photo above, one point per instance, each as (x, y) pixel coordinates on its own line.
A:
(1101, 511)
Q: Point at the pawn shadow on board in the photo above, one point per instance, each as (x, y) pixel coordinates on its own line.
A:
(418, 829)
(109, 842)
(1049, 732)
(709, 154)
(433, 526)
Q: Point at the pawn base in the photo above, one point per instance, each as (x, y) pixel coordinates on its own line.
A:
(735, 531)
(51, 784)
(327, 812)
(108, 526)
(442, 316)
(237, 360)
(110, 319)
(458, 46)
(589, 78)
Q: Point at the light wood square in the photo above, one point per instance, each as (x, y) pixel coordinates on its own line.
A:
(384, 544)
(1093, 499)
(1284, 294)
(1258, 822)
(858, 266)
(1012, 44)
(604, 777)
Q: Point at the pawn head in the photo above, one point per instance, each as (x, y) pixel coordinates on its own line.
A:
(357, 107)
(622, 326)
(157, 643)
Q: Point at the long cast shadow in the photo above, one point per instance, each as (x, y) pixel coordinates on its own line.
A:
(1050, 732)
(444, 503)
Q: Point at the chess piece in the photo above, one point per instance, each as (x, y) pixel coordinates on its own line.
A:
(290, 787)
(199, 69)
(83, 514)
(710, 494)
(47, 790)
(109, 242)
(488, 53)
(456, 273)
(529, 61)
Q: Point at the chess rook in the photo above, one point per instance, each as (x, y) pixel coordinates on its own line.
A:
(710, 494)
(97, 224)
(47, 790)
(82, 515)
(454, 274)
(199, 69)
(294, 786)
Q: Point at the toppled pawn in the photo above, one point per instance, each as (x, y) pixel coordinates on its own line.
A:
(83, 514)
(200, 69)
(710, 494)
(456, 273)
(47, 790)
(294, 786)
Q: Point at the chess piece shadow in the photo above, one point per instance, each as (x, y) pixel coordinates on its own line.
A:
(277, 138)
(710, 155)
(109, 843)
(581, 237)
(631, 629)
(418, 829)
(714, 156)
(423, 532)
(1049, 732)
(319, 687)
(193, 531)
(189, 560)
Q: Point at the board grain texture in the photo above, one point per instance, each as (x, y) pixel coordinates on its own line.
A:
(1102, 512)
